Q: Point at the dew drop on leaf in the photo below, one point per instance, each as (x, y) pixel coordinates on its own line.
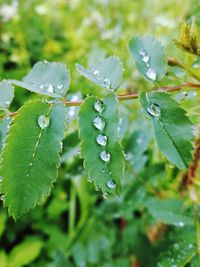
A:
(154, 110)
(99, 123)
(105, 156)
(60, 86)
(96, 73)
(43, 121)
(106, 83)
(99, 106)
(50, 88)
(144, 56)
(151, 74)
(111, 184)
(101, 139)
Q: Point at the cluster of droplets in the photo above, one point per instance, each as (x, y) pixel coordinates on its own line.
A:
(151, 73)
(51, 88)
(102, 139)
(106, 83)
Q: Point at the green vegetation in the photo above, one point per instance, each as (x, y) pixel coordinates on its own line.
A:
(100, 133)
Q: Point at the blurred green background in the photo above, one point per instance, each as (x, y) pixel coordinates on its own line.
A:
(76, 226)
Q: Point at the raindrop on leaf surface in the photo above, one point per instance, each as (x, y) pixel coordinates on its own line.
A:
(151, 74)
(101, 139)
(106, 83)
(154, 110)
(105, 156)
(111, 184)
(99, 123)
(43, 121)
(99, 106)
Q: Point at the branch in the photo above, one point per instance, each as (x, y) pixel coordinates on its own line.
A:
(131, 96)
(135, 95)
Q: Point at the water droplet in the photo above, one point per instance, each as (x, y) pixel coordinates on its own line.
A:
(185, 93)
(95, 72)
(43, 121)
(50, 88)
(105, 156)
(99, 123)
(30, 164)
(2, 197)
(41, 86)
(111, 184)
(105, 195)
(106, 83)
(60, 86)
(171, 166)
(99, 106)
(144, 56)
(154, 110)
(151, 74)
(1, 179)
(7, 102)
(101, 139)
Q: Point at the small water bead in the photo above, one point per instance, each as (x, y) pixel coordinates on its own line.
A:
(154, 110)
(101, 140)
(105, 156)
(30, 164)
(99, 106)
(7, 102)
(50, 88)
(106, 83)
(43, 121)
(105, 195)
(96, 72)
(144, 56)
(1, 179)
(60, 86)
(99, 123)
(111, 184)
(151, 74)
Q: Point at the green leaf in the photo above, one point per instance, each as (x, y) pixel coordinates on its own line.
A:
(178, 255)
(48, 78)
(6, 95)
(149, 57)
(107, 74)
(4, 126)
(25, 252)
(106, 175)
(32, 149)
(169, 211)
(173, 129)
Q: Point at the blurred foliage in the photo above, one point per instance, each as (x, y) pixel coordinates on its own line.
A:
(76, 226)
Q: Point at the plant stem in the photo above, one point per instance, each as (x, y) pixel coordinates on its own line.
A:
(131, 96)
(135, 95)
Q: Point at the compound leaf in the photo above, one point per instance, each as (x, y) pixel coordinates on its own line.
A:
(32, 149)
(6, 95)
(107, 74)
(173, 129)
(48, 78)
(103, 159)
(149, 57)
